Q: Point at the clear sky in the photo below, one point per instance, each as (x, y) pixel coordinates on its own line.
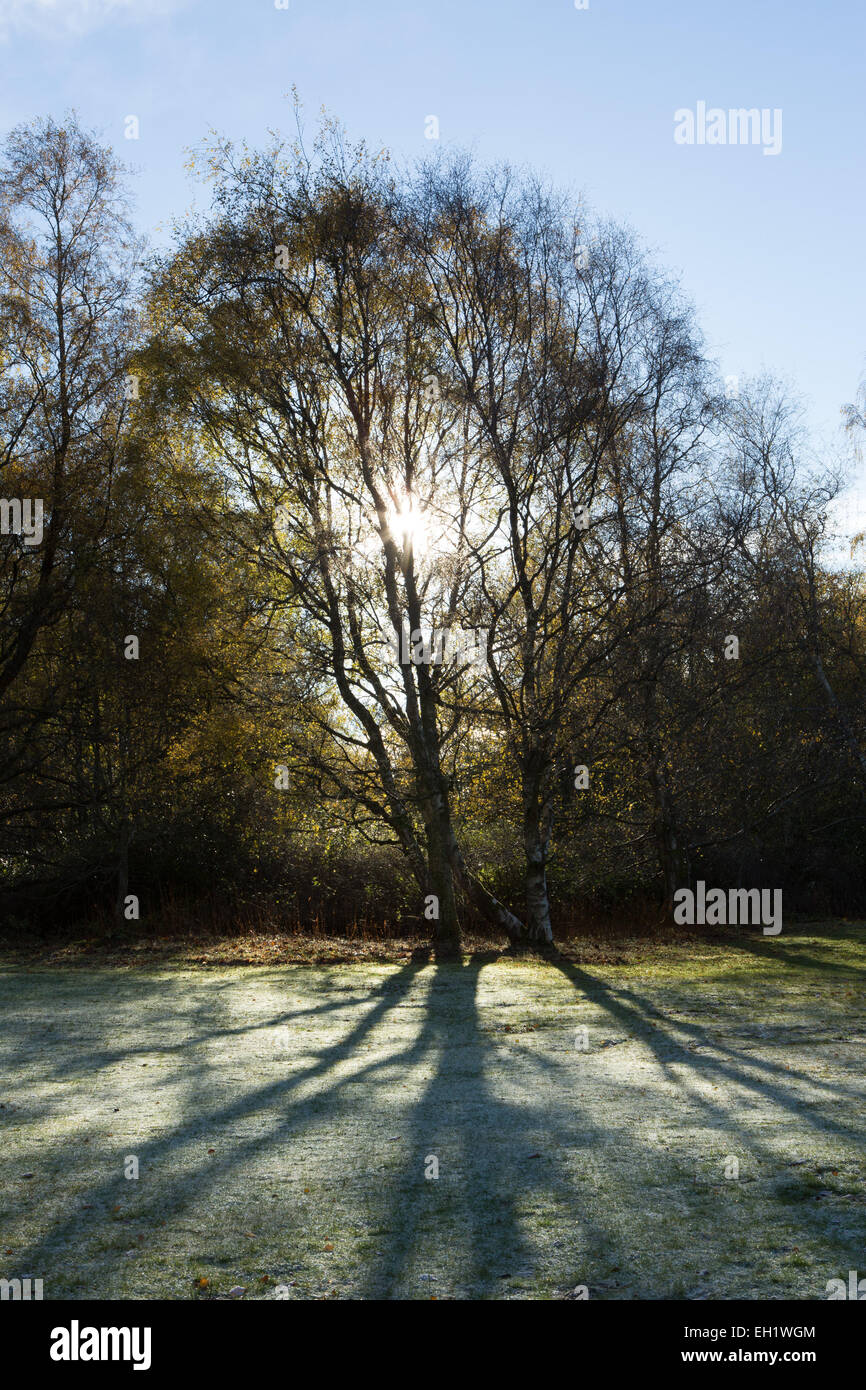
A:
(770, 247)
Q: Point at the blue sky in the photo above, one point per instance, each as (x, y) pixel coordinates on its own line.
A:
(769, 247)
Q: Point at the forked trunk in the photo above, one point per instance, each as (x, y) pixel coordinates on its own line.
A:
(487, 904)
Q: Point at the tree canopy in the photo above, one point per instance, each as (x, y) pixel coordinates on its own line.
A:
(403, 557)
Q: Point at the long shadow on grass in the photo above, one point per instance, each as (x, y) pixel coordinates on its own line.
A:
(771, 1080)
(506, 1169)
(510, 1157)
(482, 1177)
(170, 1195)
(25, 1035)
(797, 957)
(495, 1154)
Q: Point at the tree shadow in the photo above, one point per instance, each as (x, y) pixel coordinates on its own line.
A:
(516, 1131)
(482, 1162)
(170, 1194)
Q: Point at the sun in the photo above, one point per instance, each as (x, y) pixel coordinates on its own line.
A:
(408, 526)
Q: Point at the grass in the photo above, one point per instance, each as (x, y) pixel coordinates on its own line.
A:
(279, 1109)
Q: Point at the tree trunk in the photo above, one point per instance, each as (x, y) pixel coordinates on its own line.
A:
(670, 844)
(673, 853)
(538, 925)
(122, 872)
(841, 718)
(489, 906)
(446, 927)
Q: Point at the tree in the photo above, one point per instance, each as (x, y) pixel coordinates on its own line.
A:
(66, 262)
(290, 331)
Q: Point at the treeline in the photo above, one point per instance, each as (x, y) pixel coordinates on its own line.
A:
(390, 551)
